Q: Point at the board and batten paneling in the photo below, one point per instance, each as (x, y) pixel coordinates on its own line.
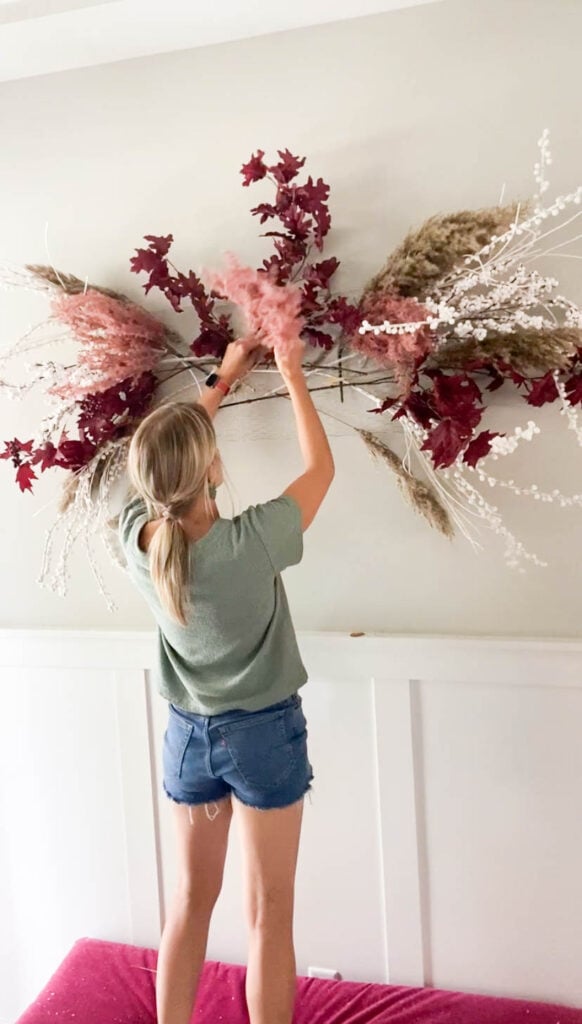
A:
(441, 842)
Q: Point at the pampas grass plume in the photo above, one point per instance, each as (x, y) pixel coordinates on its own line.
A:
(272, 312)
(419, 495)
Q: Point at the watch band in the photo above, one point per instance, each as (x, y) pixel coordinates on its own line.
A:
(214, 381)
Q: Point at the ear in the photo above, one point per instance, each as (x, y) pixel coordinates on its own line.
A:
(215, 468)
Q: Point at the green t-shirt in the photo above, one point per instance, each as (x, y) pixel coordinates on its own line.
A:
(238, 648)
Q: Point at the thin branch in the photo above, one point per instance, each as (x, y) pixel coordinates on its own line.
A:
(325, 387)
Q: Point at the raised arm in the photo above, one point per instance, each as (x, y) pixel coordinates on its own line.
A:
(310, 488)
(239, 358)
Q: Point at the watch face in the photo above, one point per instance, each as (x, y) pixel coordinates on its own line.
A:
(211, 379)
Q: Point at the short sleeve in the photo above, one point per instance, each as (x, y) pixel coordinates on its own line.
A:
(131, 519)
(279, 525)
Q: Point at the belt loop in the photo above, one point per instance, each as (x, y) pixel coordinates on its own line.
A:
(208, 744)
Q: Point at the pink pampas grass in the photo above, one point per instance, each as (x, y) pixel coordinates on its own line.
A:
(271, 311)
(118, 340)
(399, 351)
(392, 349)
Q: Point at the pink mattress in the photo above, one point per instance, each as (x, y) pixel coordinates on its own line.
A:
(112, 983)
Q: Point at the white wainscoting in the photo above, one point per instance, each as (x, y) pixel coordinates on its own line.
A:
(441, 846)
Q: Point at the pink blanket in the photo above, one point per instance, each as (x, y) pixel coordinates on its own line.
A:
(113, 983)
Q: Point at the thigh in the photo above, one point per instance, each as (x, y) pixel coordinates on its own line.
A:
(270, 844)
(201, 845)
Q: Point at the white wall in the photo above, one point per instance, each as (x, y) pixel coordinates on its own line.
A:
(407, 114)
(441, 846)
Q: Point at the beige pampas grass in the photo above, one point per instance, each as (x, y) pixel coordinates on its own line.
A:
(71, 485)
(433, 250)
(525, 349)
(68, 492)
(419, 495)
(69, 283)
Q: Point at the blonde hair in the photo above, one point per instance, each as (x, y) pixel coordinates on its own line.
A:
(168, 462)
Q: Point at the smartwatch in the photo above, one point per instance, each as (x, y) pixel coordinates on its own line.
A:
(214, 381)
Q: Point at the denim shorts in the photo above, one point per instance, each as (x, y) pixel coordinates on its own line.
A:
(260, 756)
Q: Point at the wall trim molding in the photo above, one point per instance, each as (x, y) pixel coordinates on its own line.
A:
(512, 662)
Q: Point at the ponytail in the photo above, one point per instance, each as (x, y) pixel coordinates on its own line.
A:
(169, 563)
(169, 458)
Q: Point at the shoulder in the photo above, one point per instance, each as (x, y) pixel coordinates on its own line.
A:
(277, 512)
(278, 524)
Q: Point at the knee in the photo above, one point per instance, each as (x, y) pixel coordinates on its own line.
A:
(270, 910)
(198, 896)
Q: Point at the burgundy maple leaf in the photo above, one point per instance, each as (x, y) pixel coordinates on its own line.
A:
(310, 301)
(386, 404)
(255, 169)
(543, 390)
(508, 371)
(287, 168)
(479, 447)
(319, 338)
(13, 450)
(321, 273)
(574, 389)
(46, 455)
(445, 442)
(296, 222)
(265, 211)
(312, 197)
(152, 260)
(497, 379)
(24, 476)
(212, 340)
(75, 454)
(417, 405)
(455, 395)
(344, 313)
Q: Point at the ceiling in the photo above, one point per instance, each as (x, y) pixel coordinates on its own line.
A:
(40, 37)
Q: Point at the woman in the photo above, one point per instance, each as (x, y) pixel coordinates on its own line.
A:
(230, 669)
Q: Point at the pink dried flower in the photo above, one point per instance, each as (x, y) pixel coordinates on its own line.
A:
(398, 351)
(119, 340)
(271, 311)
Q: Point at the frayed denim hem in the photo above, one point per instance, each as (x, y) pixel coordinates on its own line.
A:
(277, 807)
(207, 804)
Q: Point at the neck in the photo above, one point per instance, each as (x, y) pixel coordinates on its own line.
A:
(198, 520)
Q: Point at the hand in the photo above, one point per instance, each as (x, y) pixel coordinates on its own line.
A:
(289, 360)
(240, 356)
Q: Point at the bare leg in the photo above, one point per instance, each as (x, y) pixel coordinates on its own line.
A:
(270, 843)
(202, 845)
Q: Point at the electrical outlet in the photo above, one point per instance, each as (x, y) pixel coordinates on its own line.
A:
(324, 972)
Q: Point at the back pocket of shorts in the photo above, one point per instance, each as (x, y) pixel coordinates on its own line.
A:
(260, 749)
(176, 739)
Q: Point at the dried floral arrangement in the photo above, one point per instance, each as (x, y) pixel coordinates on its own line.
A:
(455, 313)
